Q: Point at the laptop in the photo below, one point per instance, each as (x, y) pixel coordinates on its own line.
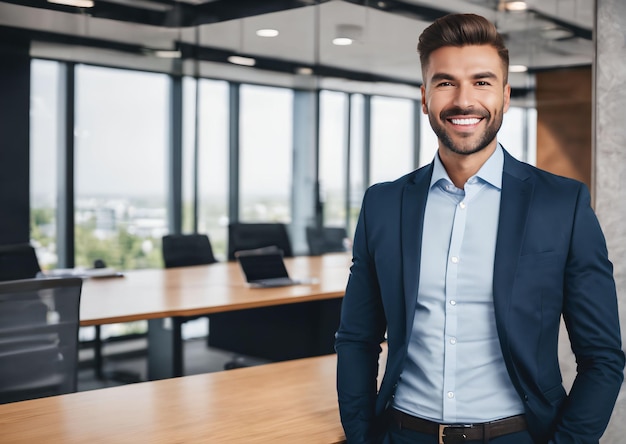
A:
(265, 268)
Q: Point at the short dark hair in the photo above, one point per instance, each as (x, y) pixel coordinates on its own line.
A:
(461, 30)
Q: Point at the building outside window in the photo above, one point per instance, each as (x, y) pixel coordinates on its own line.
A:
(45, 122)
(266, 154)
(121, 140)
(332, 156)
(356, 164)
(212, 167)
(392, 138)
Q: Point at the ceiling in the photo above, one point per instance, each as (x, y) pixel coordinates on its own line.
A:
(550, 34)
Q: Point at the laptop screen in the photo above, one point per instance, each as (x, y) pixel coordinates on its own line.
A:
(263, 266)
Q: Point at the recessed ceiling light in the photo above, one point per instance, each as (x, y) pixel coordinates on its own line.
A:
(556, 33)
(518, 68)
(346, 34)
(76, 3)
(267, 32)
(342, 41)
(239, 60)
(168, 53)
(304, 70)
(516, 6)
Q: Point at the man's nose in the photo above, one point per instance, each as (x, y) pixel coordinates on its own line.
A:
(464, 97)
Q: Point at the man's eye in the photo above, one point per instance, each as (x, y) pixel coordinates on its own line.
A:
(482, 83)
(444, 84)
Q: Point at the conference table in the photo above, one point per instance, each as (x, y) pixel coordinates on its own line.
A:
(298, 316)
(285, 402)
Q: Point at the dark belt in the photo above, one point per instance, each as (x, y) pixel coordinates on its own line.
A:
(459, 433)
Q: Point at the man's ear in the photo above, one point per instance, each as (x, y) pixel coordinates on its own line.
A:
(424, 105)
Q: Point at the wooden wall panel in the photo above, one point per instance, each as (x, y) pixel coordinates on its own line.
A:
(564, 126)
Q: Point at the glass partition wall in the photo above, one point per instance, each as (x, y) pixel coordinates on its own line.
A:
(237, 147)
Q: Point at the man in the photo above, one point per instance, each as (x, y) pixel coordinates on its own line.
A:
(465, 267)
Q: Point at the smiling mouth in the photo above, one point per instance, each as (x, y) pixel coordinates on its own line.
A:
(467, 121)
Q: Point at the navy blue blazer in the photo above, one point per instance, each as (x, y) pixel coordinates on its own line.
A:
(550, 260)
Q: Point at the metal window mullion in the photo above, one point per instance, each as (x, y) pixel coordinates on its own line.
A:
(195, 186)
(234, 149)
(417, 132)
(367, 138)
(348, 156)
(66, 248)
(175, 163)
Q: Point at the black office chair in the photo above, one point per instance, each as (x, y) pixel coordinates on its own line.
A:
(249, 236)
(181, 250)
(39, 321)
(326, 240)
(18, 261)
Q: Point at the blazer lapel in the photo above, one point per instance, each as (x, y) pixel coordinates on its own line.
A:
(413, 206)
(514, 207)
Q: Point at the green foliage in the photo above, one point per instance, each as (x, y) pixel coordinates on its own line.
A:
(40, 217)
(123, 250)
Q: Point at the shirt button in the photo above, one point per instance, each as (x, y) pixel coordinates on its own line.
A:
(454, 259)
(462, 205)
(452, 341)
(452, 302)
(450, 395)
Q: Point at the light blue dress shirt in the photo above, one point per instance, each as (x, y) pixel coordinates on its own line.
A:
(455, 372)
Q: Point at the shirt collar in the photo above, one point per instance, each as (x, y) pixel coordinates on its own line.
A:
(490, 172)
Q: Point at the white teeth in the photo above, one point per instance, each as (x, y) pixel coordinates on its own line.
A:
(465, 121)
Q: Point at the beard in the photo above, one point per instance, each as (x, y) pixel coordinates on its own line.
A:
(466, 147)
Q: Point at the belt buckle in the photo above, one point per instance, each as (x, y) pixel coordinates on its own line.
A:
(442, 428)
(453, 438)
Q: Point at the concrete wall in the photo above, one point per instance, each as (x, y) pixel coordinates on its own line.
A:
(609, 161)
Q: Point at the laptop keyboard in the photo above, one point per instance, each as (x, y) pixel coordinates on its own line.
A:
(274, 282)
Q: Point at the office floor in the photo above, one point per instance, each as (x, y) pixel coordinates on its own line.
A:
(127, 360)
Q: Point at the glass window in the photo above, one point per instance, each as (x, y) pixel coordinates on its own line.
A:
(189, 155)
(392, 138)
(265, 136)
(213, 164)
(212, 160)
(44, 147)
(428, 141)
(357, 180)
(121, 140)
(332, 163)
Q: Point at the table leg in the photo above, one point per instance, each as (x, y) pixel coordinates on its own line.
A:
(165, 348)
(98, 362)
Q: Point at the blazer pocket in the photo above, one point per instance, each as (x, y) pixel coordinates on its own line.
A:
(555, 395)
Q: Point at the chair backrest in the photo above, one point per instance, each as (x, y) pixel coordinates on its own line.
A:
(39, 320)
(18, 261)
(326, 240)
(249, 236)
(181, 250)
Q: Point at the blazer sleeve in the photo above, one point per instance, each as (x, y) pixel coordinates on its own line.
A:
(591, 317)
(358, 339)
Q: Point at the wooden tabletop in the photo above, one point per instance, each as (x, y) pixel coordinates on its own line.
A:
(190, 291)
(287, 402)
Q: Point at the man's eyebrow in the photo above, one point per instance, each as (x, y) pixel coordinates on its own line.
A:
(485, 75)
(439, 76)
